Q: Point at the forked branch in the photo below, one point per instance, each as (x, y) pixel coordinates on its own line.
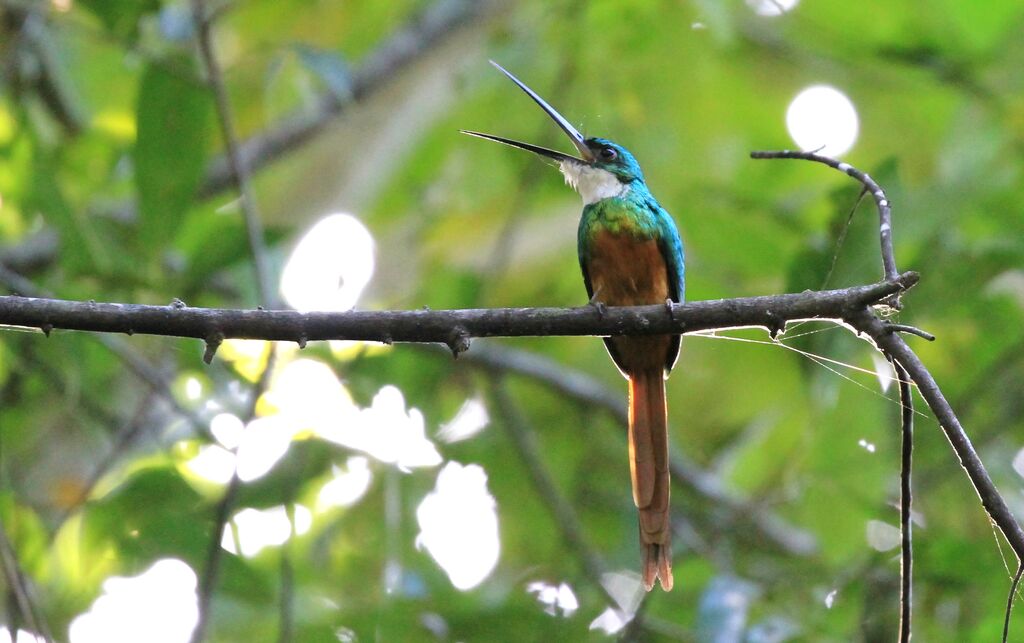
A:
(886, 338)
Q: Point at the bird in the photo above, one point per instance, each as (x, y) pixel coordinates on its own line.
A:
(630, 253)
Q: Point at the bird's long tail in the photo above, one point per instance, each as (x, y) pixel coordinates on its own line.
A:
(648, 462)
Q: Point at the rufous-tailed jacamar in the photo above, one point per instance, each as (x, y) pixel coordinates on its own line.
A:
(631, 254)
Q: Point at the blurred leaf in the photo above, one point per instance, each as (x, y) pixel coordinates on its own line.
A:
(121, 18)
(25, 533)
(211, 242)
(173, 523)
(81, 248)
(173, 113)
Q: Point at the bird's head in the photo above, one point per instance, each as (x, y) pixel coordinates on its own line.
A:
(602, 170)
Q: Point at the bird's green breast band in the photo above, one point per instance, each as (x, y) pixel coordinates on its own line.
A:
(618, 216)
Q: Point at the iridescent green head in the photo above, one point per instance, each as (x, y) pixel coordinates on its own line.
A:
(614, 158)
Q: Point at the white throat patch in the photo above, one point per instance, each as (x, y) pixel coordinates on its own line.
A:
(593, 184)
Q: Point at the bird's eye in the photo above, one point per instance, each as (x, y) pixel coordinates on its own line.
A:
(608, 154)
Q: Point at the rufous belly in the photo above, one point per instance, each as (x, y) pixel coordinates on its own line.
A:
(625, 271)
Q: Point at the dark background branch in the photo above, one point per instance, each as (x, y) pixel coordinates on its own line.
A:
(685, 472)
(404, 47)
(238, 172)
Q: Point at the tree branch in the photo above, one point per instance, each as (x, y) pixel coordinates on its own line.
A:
(881, 202)
(886, 338)
(451, 327)
(122, 350)
(891, 343)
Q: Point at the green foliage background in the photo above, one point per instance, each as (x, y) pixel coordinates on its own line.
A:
(108, 210)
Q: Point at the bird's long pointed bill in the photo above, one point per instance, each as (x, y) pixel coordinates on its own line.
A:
(570, 131)
(529, 147)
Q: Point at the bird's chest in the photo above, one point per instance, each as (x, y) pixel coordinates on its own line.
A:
(625, 269)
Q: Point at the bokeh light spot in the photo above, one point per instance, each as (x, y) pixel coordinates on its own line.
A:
(265, 441)
(330, 266)
(882, 536)
(193, 389)
(772, 7)
(157, 606)
(556, 599)
(22, 636)
(470, 419)
(610, 621)
(213, 463)
(260, 528)
(306, 399)
(883, 371)
(228, 429)
(459, 525)
(388, 432)
(309, 394)
(1018, 463)
(822, 118)
(347, 486)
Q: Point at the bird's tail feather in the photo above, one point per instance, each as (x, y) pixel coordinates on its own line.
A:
(648, 460)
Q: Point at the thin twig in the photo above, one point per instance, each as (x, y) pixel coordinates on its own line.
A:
(239, 171)
(911, 330)
(882, 203)
(841, 238)
(973, 395)
(286, 603)
(32, 39)
(18, 584)
(906, 501)
(123, 439)
(562, 513)
(214, 551)
(1009, 600)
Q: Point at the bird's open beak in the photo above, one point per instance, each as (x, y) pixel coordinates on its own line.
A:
(570, 131)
